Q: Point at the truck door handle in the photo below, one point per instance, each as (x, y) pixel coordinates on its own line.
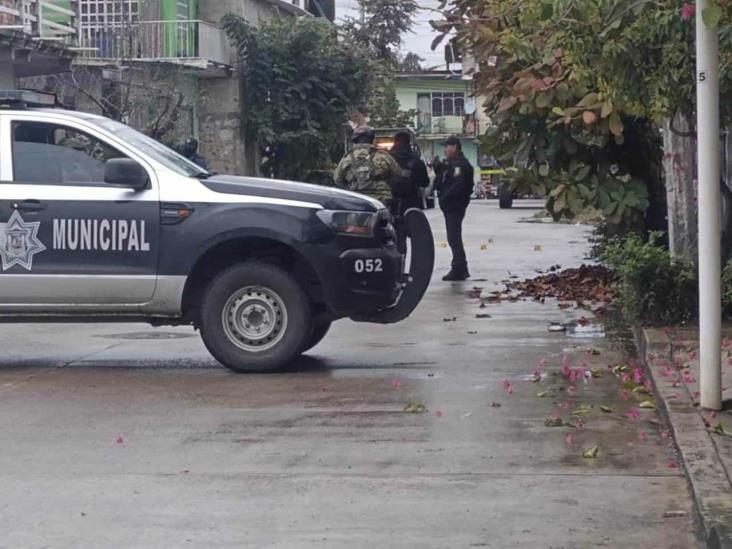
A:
(30, 205)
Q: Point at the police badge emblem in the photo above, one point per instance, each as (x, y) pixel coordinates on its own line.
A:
(19, 242)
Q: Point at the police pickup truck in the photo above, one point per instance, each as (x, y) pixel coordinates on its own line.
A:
(100, 223)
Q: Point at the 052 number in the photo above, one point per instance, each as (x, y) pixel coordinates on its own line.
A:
(369, 266)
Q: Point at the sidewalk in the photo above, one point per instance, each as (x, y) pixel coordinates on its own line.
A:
(703, 437)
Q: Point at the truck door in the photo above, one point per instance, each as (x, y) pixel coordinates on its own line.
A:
(67, 238)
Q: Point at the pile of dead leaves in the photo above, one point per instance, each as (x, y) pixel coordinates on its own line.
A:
(583, 287)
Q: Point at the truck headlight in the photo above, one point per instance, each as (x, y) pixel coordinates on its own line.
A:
(349, 223)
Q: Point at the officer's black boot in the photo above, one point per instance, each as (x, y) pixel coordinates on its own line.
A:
(457, 274)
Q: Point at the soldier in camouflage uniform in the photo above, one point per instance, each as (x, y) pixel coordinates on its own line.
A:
(367, 169)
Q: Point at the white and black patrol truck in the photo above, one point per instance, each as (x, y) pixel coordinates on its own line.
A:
(100, 223)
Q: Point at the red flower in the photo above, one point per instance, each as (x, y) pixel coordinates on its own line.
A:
(687, 12)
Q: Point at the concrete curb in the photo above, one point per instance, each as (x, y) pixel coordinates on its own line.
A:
(710, 481)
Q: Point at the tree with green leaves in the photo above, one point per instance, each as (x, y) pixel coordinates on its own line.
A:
(300, 81)
(379, 34)
(579, 89)
(411, 63)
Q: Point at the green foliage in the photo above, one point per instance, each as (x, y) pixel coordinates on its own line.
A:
(727, 287)
(378, 36)
(300, 81)
(382, 27)
(411, 63)
(655, 289)
(577, 86)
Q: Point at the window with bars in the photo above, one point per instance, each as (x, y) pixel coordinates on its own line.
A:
(448, 103)
(97, 14)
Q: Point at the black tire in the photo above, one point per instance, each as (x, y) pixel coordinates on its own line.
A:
(274, 303)
(505, 197)
(319, 332)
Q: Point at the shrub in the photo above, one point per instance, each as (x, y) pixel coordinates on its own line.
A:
(654, 288)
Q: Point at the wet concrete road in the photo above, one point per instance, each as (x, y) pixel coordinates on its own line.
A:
(123, 435)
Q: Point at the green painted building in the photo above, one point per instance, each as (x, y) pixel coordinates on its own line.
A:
(445, 106)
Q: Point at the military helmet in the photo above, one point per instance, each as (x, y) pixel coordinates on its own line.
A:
(363, 134)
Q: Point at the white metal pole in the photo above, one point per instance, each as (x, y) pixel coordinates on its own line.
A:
(707, 112)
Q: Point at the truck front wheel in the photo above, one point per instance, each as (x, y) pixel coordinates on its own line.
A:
(255, 317)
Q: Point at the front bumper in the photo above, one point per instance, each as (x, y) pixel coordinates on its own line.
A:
(364, 278)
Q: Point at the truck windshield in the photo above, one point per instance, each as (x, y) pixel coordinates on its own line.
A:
(166, 156)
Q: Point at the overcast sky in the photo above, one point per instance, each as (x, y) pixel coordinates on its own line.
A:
(417, 41)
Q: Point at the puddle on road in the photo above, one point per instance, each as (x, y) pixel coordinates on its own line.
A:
(147, 335)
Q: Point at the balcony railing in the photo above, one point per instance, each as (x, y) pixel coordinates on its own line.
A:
(156, 41)
(428, 124)
(46, 20)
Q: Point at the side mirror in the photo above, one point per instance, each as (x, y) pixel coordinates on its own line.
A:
(125, 172)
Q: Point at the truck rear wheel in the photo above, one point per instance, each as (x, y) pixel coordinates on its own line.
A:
(255, 317)
(505, 197)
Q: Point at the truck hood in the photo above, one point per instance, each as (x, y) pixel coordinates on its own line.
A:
(328, 197)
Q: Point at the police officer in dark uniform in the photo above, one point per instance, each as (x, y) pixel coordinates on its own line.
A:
(407, 188)
(455, 185)
(190, 151)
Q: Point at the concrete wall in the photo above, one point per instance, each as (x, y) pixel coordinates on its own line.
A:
(254, 11)
(219, 108)
(219, 122)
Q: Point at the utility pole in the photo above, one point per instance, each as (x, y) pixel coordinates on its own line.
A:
(708, 150)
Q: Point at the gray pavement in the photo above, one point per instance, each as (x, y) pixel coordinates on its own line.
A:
(129, 436)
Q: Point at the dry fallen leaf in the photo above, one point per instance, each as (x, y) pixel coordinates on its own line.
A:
(484, 247)
(414, 407)
(647, 405)
(537, 248)
(720, 430)
(581, 409)
(674, 514)
(542, 394)
(606, 409)
(591, 453)
(553, 421)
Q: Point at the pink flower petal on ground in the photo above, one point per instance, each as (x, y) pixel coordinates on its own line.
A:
(675, 384)
(625, 394)
(672, 464)
(665, 434)
(580, 425)
(565, 405)
(651, 356)
(396, 383)
(120, 440)
(571, 389)
(438, 413)
(542, 362)
(714, 415)
(625, 378)
(637, 377)
(507, 387)
(569, 439)
(633, 414)
(641, 435)
(692, 356)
